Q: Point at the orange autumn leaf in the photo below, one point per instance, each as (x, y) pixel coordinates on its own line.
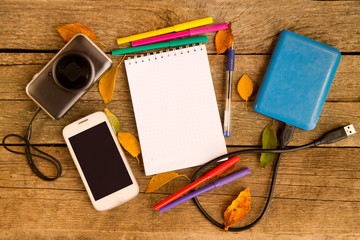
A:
(130, 144)
(161, 179)
(238, 209)
(245, 88)
(223, 40)
(70, 30)
(107, 83)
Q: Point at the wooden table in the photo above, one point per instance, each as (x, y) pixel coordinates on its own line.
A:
(317, 195)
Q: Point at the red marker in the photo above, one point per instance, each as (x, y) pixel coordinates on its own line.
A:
(206, 177)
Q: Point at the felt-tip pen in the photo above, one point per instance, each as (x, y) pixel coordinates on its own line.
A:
(209, 175)
(176, 28)
(171, 43)
(186, 33)
(213, 185)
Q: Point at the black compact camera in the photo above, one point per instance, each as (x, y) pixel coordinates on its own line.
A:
(68, 76)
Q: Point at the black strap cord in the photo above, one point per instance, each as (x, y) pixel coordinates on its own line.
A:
(29, 155)
(285, 137)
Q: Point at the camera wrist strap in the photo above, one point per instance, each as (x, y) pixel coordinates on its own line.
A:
(29, 155)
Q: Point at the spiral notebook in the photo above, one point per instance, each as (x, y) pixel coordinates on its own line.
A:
(175, 109)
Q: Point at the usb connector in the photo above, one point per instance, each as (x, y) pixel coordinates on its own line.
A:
(350, 130)
(336, 135)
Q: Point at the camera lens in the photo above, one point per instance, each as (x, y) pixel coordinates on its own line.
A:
(73, 71)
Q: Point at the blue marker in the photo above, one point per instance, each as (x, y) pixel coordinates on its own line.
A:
(229, 73)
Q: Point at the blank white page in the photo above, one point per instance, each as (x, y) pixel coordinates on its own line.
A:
(175, 109)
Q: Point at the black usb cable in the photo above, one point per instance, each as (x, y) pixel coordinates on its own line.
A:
(285, 137)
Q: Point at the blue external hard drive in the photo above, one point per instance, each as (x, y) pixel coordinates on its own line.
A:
(297, 80)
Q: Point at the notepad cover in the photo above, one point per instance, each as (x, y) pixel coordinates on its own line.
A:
(175, 109)
(297, 80)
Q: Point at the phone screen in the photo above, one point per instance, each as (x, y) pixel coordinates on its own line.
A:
(100, 161)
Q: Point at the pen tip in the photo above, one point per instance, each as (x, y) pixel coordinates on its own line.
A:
(227, 134)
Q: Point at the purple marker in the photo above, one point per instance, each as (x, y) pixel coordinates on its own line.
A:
(215, 184)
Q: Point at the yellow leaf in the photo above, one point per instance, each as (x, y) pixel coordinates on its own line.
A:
(113, 120)
(70, 30)
(161, 179)
(238, 209)
(223, 40)
(130, 144)
(245, 88)
(107, 83)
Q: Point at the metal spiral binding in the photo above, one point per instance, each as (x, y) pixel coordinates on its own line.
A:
(161, 54)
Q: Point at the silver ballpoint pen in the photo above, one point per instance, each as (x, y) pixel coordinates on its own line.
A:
(229, 74)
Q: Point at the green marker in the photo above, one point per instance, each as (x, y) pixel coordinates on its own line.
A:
(172, 43)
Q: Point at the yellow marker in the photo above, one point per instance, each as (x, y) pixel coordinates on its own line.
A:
(176, 28)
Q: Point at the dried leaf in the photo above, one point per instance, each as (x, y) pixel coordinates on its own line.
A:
(107, 83)
(70, 30)
(230, 169)
(238, 209)
(245, 88)
(269, 141)
(227, 171)
(113, 120)
(161, 179)
(223, 40)
(130, 144)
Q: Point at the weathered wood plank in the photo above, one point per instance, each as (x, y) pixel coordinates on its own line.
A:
(20, 233)
(31, 211)
(326, 174)
(256, 24)
(17, 69)
(246, 126)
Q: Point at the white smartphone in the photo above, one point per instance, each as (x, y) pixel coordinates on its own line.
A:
(100, 161)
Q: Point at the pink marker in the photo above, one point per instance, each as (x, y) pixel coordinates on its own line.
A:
(190, 32)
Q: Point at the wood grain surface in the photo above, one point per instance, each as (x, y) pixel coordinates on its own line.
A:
(317, 194)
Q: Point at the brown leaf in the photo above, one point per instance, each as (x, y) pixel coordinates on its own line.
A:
(223, 40)
(230, 169)
(70, 30)
(227, 171)
(161, 179)
(238, 209)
